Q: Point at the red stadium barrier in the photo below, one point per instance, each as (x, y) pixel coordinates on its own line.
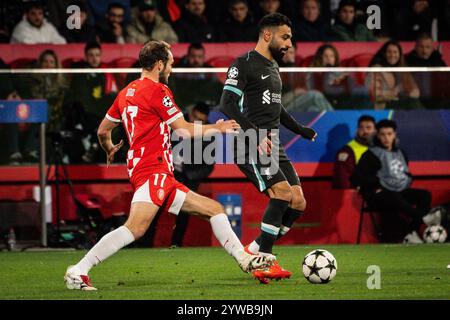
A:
(346, 50)
(332, 216)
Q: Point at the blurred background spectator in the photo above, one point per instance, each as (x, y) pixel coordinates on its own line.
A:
(111, 29)
(296, 97)
(266, 7)
(91, 95)
(193, 26)
(311, 26)
(414, 18)
(50, 86)
(431, 85)
(424, 53)
(349, 155)
(392, 90)
(346, 27)
(34, 27)
(147, 24)
(190, 88)
(239, 26)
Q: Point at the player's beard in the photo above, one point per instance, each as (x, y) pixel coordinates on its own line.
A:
(277, 53)
(163, 77)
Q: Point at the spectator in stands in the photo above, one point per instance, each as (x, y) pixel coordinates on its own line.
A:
(384, 179)
(52, 87)
(112, 29)
(295, 95)
(84, 34)
(346, 28)
(34, 28)
(11, 13)
(239, 26)
(392, 90)
(195, 57)
(334, 85)
(411, 20)
(189, 88)
(193, 26)
(348, 156)
(311, 26)
(190, 173)
(91, 94)
(267, 7)
(424, 53)
(432, 85)
(147, 24)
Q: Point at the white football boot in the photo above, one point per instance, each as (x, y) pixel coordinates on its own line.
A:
(76, 281)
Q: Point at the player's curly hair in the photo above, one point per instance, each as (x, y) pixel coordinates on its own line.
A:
(152, 52)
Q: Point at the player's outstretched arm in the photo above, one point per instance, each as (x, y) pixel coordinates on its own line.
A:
(290, 123)
(191, 130)
(104, 137)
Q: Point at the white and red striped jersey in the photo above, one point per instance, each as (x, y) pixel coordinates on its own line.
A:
(146, 109)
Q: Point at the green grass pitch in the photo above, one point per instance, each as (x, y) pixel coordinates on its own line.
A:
(407, 272)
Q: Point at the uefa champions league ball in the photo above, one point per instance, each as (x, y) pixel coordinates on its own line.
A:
(319, 266)
(435, 234)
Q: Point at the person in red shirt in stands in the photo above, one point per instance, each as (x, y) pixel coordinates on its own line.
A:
(348, 156)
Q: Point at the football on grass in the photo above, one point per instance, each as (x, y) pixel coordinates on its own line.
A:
(435, 234)
(319, 266)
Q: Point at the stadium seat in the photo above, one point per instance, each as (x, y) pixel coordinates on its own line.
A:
(366, 209)
(67, 63)
(307, 61)
(220, 62)
(22, 63)
(122, 62)
(359, 61)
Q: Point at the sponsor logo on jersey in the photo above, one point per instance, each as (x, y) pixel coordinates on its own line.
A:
(167, 102)
(266, 97)
(264, 77)
(160, 194)
(233, 72)
(130, 92)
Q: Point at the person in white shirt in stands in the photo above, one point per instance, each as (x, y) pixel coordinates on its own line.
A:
(34, 28)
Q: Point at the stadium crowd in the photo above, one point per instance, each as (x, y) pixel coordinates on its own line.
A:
(78, 102)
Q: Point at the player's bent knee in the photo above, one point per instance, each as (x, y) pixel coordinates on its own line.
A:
(282, 192)
(136, 230)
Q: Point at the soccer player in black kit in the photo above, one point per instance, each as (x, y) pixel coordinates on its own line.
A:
(252, 97)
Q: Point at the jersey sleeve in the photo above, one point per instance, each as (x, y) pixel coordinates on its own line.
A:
(236, 77)
(113, 113)
(164, 105)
